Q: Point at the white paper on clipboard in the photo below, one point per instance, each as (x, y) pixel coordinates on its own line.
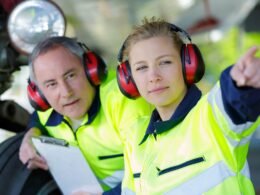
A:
(67, 165)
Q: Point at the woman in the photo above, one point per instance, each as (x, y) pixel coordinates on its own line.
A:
(191, 144)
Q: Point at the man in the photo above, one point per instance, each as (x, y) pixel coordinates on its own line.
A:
(71, 104)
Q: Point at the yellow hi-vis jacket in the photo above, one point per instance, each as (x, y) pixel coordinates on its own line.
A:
(101, 134)
(203, 152)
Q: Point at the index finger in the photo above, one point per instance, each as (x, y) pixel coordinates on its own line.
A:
(250, 53)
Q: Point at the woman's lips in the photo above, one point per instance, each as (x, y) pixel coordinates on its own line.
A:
(158, 90)
(71, 103)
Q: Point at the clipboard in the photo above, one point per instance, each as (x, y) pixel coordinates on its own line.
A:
(67, 165)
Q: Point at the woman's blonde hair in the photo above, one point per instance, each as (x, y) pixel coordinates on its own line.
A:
(149, 28)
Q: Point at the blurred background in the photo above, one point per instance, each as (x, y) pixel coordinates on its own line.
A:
(222, 29)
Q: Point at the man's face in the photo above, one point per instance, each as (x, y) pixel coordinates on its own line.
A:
(62, 80)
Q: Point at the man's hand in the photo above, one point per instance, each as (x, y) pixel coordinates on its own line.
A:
(28, 154)
(246, 72)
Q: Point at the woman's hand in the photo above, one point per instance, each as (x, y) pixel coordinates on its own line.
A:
(246, 72)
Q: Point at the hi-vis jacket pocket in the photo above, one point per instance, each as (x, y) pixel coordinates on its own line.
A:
(180, 166)
(110, 156)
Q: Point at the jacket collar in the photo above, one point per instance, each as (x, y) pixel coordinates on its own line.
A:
(56, 118)
(157, 126)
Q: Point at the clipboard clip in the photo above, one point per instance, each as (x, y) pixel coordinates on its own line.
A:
(55, 141)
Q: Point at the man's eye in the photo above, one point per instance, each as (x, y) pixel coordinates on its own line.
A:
(50, 85)
(70, 76)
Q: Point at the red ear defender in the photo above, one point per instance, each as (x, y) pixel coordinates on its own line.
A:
(95, 67)
(192, 63)
(126, 82)
(193, 66)
(36, 98)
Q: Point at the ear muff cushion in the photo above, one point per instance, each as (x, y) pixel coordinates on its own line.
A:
(95, 67)
(125, 81)
(36, 98)
(192, 63)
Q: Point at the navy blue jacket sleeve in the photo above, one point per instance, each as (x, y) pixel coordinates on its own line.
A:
(114, 191)
(35, 122)
(241, 103)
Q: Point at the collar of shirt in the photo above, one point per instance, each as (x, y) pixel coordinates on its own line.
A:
(56, 118)
(157, 126)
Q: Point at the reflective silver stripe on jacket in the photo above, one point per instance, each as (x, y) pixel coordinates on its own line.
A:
(217, 174)
(113, 180)
(215, 99)
(241, 142)
(245, 170)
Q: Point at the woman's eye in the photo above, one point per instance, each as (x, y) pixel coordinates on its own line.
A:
(140, 68)
(165, 62)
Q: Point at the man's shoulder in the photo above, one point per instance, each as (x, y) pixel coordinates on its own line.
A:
(110, 86)
(45, 115)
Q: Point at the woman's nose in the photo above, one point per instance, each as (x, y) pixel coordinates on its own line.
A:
(154, 75)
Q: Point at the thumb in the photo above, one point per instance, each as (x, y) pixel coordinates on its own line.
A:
(237, 75)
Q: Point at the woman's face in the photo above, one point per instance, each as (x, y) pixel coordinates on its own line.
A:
(157, 71)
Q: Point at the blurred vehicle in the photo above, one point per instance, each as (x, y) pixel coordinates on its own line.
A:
(22, 25)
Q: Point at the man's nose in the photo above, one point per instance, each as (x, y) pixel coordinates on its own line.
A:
(66, 90)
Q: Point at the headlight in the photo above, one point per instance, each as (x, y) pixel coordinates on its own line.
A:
(32, 21)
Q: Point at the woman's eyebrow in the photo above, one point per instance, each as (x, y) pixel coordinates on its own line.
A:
(138, 62)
